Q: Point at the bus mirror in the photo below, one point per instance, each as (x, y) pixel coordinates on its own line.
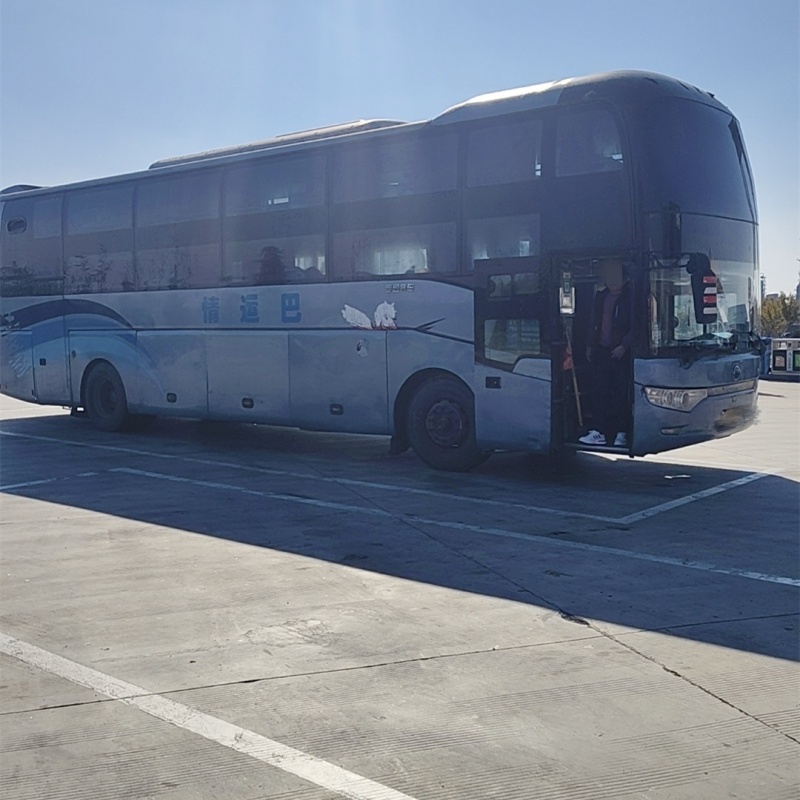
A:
(566, 294)
(704, 288)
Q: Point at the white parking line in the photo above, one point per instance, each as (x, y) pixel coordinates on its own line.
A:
(11, 486)
(8, 487)
(463, 526)
(626, 520)
(319, 478)
(691, 498)
(315, 770)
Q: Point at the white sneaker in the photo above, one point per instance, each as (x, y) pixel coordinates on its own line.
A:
(621, 440)
(593, 437)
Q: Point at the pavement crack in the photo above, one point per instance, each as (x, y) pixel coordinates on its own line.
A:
(410, 522)
(713, 622)
(567, 615)
(305, 674)
(697, 685)
(56, 706)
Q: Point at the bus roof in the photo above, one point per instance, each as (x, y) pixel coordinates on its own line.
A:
(610, 85)
(314, 134)
(615, 86)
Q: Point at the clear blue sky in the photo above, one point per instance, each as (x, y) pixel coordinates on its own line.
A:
(98, 87)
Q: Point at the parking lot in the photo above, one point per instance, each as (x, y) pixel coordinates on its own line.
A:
(234, 612)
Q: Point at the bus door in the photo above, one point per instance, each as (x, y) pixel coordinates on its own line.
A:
(512, 353)
(577, 280)
(575, 284)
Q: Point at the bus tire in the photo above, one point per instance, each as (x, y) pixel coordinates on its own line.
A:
(441, 426)
(104, 398)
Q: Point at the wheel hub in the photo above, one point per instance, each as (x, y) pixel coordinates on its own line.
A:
(446, 423)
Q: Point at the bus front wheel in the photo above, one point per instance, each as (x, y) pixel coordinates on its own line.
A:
(441, 426)
(104, 399)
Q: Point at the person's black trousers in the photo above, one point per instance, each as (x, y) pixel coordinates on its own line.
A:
(610, 393)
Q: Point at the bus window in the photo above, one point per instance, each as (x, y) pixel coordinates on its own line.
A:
(95, 210)
(297, 259)
(512, 310)
(505, 153)
(587, 141)
(394, 169)
(506, 340)
(674, 322)
(728, 284)
(31, 248)
(178, 232)
(268, 237)
(275, 185)
(47, 218)
(696, 161)
(98, 246)
(502, 237)
(413, 250)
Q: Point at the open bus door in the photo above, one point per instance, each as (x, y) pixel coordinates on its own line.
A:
(576, 281)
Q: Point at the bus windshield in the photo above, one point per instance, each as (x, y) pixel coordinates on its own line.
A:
(673, 307)
(711, 307)
(696, 161)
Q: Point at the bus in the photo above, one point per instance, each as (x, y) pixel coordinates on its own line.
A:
(429, 281)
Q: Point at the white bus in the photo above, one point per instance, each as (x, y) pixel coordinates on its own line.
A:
(431, 281)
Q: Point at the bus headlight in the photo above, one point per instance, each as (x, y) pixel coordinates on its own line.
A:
(676, 399)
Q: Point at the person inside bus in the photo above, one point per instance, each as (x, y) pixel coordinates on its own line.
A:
(609, 354)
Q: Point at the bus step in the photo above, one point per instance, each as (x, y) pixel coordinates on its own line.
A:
(596, 448)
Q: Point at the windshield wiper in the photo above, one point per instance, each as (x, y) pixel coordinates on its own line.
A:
(717, 339)
(717, 342)
(751, 340)
(692, 349)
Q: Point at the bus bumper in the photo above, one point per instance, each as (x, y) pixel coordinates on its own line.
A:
(657, 429)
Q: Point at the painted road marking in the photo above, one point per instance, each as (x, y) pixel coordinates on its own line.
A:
(319, 478)
(691, 498)
(9, 487)
(315, 770)
(463, 526)
(670, 459)
(627, 520)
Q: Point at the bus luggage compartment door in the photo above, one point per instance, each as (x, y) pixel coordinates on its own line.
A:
(338, 381)
(171, 371)
(248, 376)
(50, 371)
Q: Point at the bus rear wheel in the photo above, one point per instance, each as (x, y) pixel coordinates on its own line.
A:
(441, 426)
(104, 399)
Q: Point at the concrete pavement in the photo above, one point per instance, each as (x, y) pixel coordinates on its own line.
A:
(223, 611)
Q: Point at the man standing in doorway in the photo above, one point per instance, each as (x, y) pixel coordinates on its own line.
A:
(609, 351)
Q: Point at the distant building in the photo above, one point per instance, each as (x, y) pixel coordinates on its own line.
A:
(764, 287)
